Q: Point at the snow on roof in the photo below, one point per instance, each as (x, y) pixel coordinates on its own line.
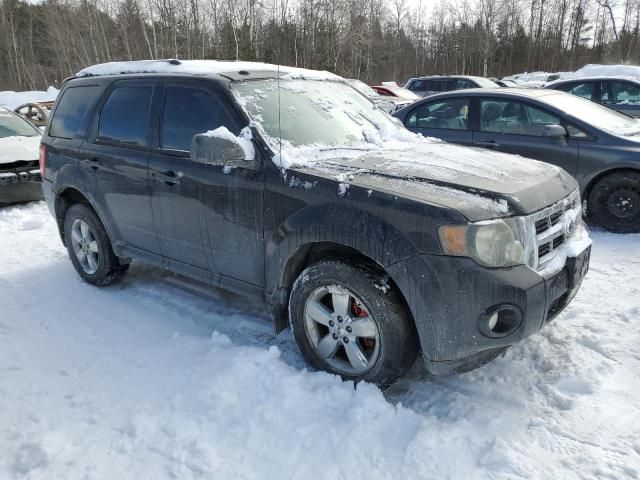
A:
(594, 70)
(201, 67)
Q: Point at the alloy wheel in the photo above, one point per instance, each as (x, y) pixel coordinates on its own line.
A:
(85, 246)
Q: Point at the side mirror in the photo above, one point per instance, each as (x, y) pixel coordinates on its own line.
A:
(221, 150)
(554, 131)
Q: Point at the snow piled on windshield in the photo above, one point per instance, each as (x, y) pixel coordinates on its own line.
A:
(200, 67)
(13, 149)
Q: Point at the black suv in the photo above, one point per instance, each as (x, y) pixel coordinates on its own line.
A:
(373, 243)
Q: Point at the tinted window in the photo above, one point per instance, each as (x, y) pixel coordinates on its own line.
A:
(514, 117)
(70, 111)
(187, 112)
(440, 86)
(462, 84)
(621, 92)
(450, 114)
(125, 116)
(419, 85)
(13, 126)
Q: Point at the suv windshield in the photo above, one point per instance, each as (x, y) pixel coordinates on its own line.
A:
(595, 114)
(14, 126)
(312, 112)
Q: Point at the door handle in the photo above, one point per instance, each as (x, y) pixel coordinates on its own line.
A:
(170, 177)
(488, 143)
(92, 163)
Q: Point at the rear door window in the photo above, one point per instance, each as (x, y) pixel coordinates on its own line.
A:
(449, 114)
(420, 85)
(187, 112)
(124, 118)
(70, 111)
(513, 117)
(621, 92)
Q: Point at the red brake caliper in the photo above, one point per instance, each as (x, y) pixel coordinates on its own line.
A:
(359, 311)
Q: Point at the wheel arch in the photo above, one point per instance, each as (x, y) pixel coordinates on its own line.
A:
(65, 199)
(600, 175)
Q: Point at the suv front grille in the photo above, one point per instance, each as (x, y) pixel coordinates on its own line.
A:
(549, 227)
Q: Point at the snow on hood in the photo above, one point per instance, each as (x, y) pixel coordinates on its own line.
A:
(200, 67)
(13, 149)
(11, 100)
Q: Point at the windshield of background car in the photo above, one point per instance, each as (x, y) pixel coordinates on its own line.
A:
(311, 112)
(13, 126)
(485, 82)
(595, 114)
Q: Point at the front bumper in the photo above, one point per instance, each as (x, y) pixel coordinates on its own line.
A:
(17, 187)
(449, 295)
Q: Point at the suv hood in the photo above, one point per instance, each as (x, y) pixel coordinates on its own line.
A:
(478, 183)
(13, 149)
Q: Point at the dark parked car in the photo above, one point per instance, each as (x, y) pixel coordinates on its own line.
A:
(19, 170)
(372, 243)
(621, 93)
(597, 145)
(425, 86)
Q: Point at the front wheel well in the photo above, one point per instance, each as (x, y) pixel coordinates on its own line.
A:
(311, 253)
(587, 190)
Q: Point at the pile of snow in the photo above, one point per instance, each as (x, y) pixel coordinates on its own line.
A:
(11, 100)
(594, 70)
(201, 67)
(162, 378)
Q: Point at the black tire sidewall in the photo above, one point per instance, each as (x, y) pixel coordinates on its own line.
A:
(108, 264)
(598, 209)
(398, 340)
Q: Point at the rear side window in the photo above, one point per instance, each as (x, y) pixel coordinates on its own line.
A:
(513, 117)
(187, 112)
(71, 110)
(419, 85)
(625, 93)
(448, 114)
(585, 90)
(124, 118)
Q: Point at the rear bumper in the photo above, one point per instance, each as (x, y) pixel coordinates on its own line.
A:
(17, 187)
(450, 297)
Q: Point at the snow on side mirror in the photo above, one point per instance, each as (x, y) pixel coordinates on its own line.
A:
(221, 147)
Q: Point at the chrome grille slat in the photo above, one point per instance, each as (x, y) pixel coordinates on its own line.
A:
(547, 228)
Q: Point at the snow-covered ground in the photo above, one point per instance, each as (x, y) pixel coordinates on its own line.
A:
(160, 378)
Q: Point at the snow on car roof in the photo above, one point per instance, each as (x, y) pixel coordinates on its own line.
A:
(201, 67)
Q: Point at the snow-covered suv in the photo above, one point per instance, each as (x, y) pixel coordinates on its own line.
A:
(373, 243)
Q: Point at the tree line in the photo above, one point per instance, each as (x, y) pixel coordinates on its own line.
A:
(44, 42)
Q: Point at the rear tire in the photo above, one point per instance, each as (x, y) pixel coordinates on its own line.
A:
(346, 320)
(90, 248)
(614, 202)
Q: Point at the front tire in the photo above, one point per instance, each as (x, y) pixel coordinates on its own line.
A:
(90, 248)
(347, 320)
(614, 202)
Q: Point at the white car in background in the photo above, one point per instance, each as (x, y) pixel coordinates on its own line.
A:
(19, 151)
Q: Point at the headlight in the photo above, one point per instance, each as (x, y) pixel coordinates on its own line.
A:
(493, 243)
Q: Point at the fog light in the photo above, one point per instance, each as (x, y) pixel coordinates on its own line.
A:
(500, 321)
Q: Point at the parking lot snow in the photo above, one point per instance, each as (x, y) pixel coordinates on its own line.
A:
(158, 377)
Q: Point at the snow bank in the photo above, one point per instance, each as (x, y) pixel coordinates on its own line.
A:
(164, 378)
(200, 67)
(12, 100)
